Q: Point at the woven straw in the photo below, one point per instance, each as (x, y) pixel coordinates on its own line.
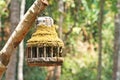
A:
(45, 36)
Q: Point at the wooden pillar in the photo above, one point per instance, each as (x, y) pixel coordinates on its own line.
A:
(37, 52)
(31, 52)
(44, 52)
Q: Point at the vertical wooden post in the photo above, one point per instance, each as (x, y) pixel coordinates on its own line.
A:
(44, 52)
(31, 54)
(100, 23)
(37, 52)
(58, 50)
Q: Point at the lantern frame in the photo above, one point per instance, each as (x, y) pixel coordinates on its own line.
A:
(42, 51)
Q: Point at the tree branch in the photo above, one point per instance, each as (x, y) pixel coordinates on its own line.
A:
(70, 30)
(100, 23)
(19, 33)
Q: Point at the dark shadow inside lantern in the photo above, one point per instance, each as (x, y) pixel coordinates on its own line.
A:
(48, 52)
(60, 53)
(54, 51)
(41, 49)
(34, 52)
(29, 52)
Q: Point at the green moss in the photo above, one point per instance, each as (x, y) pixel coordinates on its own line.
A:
(45, 36)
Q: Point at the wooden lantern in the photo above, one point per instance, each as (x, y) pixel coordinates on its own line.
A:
(44, 48)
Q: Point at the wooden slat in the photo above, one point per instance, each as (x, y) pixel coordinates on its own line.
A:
(37, 52)
(44, 62)
(31, 52)
(44, 52)
(58, 50)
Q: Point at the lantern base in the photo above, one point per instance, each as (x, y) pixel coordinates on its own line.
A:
(42, 61)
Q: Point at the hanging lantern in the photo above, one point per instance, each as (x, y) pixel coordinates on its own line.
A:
(44, 48)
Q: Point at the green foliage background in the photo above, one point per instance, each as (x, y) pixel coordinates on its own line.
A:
(83, 15)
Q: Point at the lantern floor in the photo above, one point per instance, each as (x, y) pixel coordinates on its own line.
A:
(45, 61)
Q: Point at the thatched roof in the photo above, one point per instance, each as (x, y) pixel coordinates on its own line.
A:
(45, 36)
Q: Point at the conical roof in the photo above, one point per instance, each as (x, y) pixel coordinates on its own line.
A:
(45, 36)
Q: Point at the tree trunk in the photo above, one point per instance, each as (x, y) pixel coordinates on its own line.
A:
(0, 32)
(20, 32)
(61, 10)
(11, 70)
(57, 69)
(116, 58)
(54, 72)
(100, 22)
(21, 46)
(14, 19)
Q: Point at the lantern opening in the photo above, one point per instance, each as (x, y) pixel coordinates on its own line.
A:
(44, 55)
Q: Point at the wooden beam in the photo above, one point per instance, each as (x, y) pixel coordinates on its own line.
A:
(19, 33)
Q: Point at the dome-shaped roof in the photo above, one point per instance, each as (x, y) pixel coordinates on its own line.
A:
(45, 36)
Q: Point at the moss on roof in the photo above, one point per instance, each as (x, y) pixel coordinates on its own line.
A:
(45, 36)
